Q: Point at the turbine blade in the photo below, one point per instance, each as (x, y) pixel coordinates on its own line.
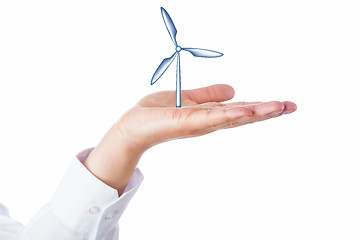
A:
(162, 68)
(169, 25)
(198, 52)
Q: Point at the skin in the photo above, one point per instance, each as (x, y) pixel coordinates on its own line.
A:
(155, 119)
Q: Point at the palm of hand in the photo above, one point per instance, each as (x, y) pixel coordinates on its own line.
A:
(155, 118)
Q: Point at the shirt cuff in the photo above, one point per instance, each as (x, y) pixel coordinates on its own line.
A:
(86, 204)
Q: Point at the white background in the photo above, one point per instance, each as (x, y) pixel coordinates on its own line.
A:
(70, 69)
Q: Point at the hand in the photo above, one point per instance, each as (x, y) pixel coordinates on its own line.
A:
(155, 119)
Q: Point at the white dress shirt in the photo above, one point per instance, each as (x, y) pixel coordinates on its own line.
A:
(82, 207)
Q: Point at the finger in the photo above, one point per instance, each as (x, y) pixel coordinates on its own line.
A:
(266, 108)
(213, 93)
(237, 123)
(289, 107)
(260, 112)
(241, 104)
(208, 118)
(193, 97)
(203, 119)
(226, 105)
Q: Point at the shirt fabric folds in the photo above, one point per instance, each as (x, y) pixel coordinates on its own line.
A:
(81, 208)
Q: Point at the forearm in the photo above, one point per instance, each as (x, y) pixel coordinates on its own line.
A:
(114, 163)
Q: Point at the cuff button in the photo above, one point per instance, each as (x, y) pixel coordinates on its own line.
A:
(94, 210)
(111, 214)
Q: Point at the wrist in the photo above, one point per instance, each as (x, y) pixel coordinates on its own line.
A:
(138, 137)
(114, 160)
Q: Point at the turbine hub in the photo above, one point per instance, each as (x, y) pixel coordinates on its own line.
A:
(178, 48)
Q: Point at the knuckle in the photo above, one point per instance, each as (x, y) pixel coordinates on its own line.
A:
(209, 119)
(277, 106)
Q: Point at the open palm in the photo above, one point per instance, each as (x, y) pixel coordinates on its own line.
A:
(155, 118)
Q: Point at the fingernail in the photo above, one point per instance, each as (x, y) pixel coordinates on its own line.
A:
(289, 107)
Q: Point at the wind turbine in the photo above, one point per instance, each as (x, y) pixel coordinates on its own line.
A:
(197, 52)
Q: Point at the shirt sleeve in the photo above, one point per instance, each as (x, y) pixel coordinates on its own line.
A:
(82, 207)
(8, 226)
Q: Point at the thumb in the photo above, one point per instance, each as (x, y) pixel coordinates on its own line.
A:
(213, 93)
